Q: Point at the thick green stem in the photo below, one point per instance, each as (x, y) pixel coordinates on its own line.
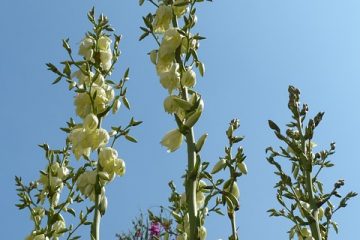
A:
(314, 223)
(314, 220)
(95, 227)
(233, 225)
(190, 186)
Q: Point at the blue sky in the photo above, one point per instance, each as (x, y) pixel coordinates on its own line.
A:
(253, 51)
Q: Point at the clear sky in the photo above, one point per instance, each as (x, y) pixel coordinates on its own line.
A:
(253, 51)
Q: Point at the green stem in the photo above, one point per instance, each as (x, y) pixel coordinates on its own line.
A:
(95, 226)
(190, 186)
(314, 223)
(233, 225)
(314, 220)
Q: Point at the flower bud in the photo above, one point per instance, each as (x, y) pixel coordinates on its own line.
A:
(202, 233)
(119, 167)
(201, 142)
(116, 106)
(321, 213)
(55, 199)
(153, 56)
(219, 166)
(191, 121)
(305, 232)
(242, 167)
(103, 205)
(233, 189)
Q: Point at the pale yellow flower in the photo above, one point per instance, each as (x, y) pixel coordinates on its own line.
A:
(180, 10)
(91, 122)
(170, 80)
(202, 233)
(104, 43)
(172, 140)
(189, 78)
(162, 18)
(86, 48)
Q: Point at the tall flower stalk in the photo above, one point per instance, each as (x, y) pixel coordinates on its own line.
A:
(95, 96)
(176, 60)
(301, 193)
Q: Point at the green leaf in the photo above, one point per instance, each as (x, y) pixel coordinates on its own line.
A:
(126, 102)
(273, 126)
(66, 45)
(130, 138)
(71, 211)
(57, 80)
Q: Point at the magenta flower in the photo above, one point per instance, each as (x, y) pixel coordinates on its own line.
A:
(154, 229)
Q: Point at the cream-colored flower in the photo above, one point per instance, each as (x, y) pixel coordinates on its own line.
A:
(170, 80)
(37, 214)
(170, 106)
(106, 59)
(106, 155)
(104, 43)
(81, 144)
(189, 78)
(86, 183)
(82, 105)
(91, 122)
(99, 138)
(172, 140)
(170, 42)
(110, 162)
(86, 48)
(182, 236)
(180, 10)
(202, 233)
(162, 19)
(57, 227)
(185, 46)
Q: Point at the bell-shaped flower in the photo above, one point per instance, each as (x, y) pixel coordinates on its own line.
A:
(172, 140)
(162, 19)
(91, 122)
(180, 10)
(86, 48)
(188, 78)
(170, 80)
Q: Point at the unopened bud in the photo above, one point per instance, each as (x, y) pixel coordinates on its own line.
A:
(201, 142)
(153, 56)
(218, 166)
(103, 205)
(242, 167)
(116, 106)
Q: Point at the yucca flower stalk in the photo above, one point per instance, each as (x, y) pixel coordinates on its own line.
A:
(95, 97)
(301, 193)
